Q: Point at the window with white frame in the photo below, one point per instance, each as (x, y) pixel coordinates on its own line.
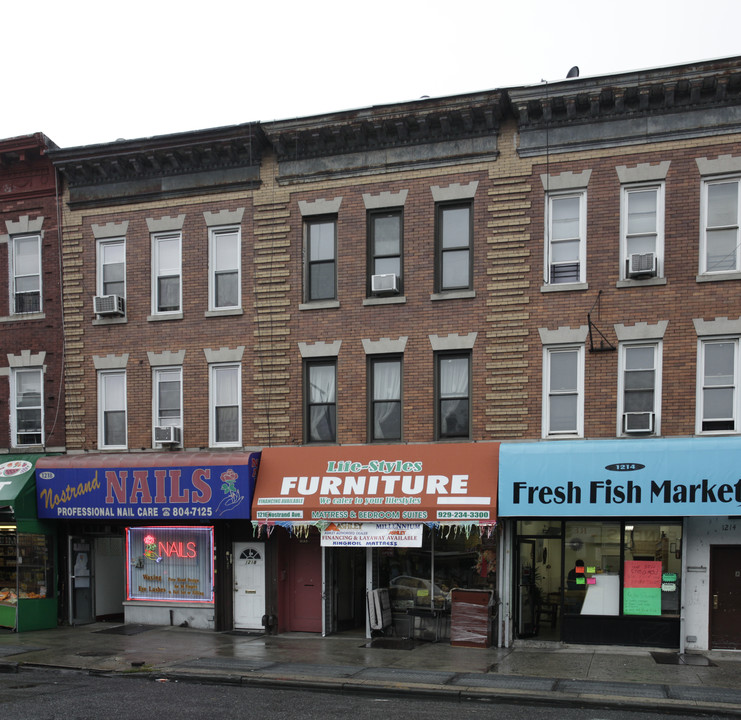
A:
(563, 396)
(26, 274)
(454, 246)
(321, 271)
(168, 399)
(167, 286)
(639, 393)
(27, 410)
(112, 267)
(453, 391)
(642, 236)
(720, 240)
(320, 400)
(566, 237)
(718, 399)
(225, 405)
(225, 268)
(112, 423)
(385, 401)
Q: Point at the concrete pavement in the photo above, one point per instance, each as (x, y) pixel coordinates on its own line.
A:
(549, 673)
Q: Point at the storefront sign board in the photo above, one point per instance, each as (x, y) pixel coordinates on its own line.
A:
(169, 486)
(442, 483)
(671, 477)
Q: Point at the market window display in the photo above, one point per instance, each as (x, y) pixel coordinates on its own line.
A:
(26, 571)
(643, 580)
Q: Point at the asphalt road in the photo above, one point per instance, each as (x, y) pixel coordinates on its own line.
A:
(49, 694)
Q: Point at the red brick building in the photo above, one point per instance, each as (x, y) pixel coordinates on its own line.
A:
(32, 406)
(526, 265)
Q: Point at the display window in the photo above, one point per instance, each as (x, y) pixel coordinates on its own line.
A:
(26, 566)
(571, 570)
(170, 564)
(425, 577)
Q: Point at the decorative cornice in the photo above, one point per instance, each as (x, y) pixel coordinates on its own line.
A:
(386, 127)
(163, 165)
(670, 89)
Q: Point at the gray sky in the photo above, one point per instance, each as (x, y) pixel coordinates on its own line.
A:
(85, 72)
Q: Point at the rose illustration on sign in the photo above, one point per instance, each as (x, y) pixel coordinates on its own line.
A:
(150, 548)
(232, 497)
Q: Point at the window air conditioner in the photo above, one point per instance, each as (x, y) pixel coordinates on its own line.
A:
(167, 435)
(109, 305)
(638, 422)
(388, 282)
(642, 264)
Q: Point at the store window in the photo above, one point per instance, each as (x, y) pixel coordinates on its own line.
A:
(26, 567)
(424, 577)
(170, 564)
(622, 568)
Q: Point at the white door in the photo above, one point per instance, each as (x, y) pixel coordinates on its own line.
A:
(249, 585)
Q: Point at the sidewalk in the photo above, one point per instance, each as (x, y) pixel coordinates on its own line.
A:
(554, 674)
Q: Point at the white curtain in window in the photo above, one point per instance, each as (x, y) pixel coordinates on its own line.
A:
(322, 391)
(386, 386)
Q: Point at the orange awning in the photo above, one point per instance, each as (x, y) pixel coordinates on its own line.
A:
(444, 483)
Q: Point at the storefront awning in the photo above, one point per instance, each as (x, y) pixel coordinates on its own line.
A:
(17, 494)
(445, 483)
(662, 477)
(148, 486)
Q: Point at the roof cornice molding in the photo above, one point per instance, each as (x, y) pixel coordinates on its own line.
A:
(236, 146)
(387, 127)
(628, 95)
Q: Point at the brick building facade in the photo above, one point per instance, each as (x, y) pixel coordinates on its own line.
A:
(31, 309)
(511, 266)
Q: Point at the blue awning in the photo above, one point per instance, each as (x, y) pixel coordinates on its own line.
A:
(147, 486)
(663, 477)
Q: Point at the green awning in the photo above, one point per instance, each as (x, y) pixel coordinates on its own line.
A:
(18, 486)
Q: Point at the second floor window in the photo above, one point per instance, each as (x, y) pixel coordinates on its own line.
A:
(167, 291)
(718, 380)
(225, 265)
(26, 274)
(27, 412)
(720, 239)
(639, 395)
(226, 405)
(320, 419)
(453, 389)
(168, 397)
(112, 268)
(385, 385)
(112, 409)
(566, 246)
(321, 250)
(454, 246)
(563, 411)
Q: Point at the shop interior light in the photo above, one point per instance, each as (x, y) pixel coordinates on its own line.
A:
(628, 528)
(7, 527)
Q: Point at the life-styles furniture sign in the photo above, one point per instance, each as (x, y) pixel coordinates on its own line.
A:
(441, 483)
(670, 477)
(168, 486)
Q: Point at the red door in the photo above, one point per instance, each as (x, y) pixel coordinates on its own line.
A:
(305, 584)
(725, 597)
